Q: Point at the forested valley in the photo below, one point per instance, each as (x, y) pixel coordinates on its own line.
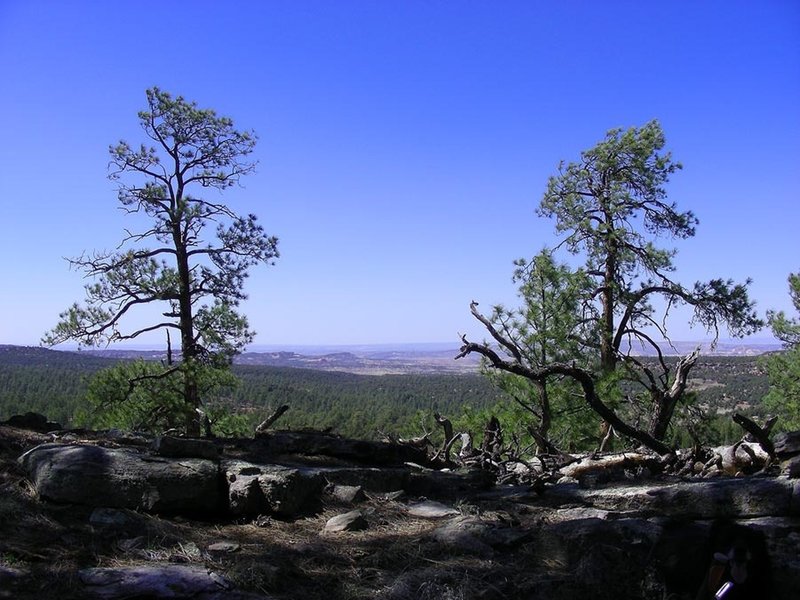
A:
(54, 383)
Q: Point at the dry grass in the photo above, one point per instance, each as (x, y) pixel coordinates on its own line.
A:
(43, 546)
(395, 558)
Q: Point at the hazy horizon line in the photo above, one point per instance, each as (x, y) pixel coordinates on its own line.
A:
(382, 346)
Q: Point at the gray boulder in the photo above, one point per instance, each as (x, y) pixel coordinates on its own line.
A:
(122, 478)
(270, 489)
(345, 494)
(351, 521)
(477, 535)
(791, 467)
(160, 581)
(787, 444)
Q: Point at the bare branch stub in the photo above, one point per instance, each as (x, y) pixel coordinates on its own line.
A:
(267, 423)
(761, 435)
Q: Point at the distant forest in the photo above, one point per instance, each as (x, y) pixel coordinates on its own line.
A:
(54, 383)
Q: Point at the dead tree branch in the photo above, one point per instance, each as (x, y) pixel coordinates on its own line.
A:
(449, 438)
(760, 434)
(267, 423)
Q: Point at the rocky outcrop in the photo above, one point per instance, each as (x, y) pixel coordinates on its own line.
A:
(704, 499)
(123, 478)
(33, 422)
(787, 444)
(176, 475)
(640, 536)
(270, 489)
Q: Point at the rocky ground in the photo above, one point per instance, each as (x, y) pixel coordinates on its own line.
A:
(442, 536)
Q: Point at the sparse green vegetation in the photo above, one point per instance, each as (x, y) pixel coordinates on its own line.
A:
(578, 324)
(55, 384)
(784, 367)
(195, 277)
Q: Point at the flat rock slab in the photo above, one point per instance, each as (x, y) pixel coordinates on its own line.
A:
(476, 535)
(160, 581)
(431, 510)
(710, 499)
(351, 521)
(122, 478)
(224, 547)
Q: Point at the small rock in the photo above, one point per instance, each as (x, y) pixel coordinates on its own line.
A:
(347, 494)
(131, 544)
(224, 547)
(351, 521)
(573, 514)
(431, 510)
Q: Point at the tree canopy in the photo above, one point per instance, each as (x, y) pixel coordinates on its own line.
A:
(193, 256)
(611, 207)
(784, 368)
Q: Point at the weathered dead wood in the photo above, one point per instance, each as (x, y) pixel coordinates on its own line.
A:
(419, 443)
(267, 423)
(447, 444)
(492, 444)
(543, 442)
(466, 445)
(581, 376)
(316, 443)
(760, 434)
(607, 431)
(742, 457)
(603, 464)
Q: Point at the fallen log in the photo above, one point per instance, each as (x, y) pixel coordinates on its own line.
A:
(318, 443)
(590, 466)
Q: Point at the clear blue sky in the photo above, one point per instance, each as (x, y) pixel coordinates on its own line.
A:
(403, 146)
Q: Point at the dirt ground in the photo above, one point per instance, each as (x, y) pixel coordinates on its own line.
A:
(43, 546)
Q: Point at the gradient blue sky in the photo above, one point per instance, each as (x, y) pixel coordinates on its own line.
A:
(403, 146)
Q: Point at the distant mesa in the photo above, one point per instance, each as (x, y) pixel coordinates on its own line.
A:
(379, 359)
